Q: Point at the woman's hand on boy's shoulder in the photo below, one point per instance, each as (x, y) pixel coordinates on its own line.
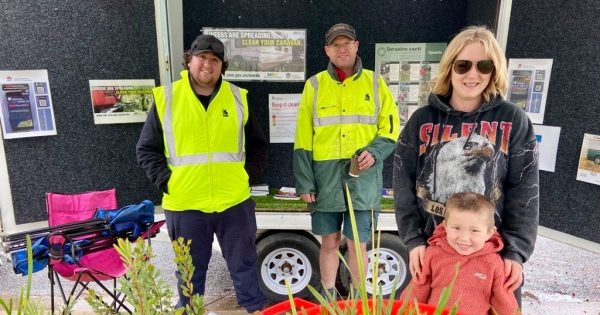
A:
(513, 272)
(415, 261)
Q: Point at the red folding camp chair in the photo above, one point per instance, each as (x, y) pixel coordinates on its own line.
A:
(97, 266)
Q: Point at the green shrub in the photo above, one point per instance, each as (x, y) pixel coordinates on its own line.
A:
(145, 291)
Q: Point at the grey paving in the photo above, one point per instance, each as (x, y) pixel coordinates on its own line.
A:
(560, 279)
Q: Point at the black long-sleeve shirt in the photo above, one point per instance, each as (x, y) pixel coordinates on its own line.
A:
(150, 147)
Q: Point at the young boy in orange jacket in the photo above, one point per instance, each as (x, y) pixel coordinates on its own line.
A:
(467, 236)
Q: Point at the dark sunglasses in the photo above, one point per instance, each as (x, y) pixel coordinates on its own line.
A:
(483, 66)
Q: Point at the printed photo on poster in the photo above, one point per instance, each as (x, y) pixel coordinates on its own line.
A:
(547, 139)
(409, 69)
(589, 160)
(259, 54)
(121, 101)
(26, 104)
(283, 110)
(528, 85)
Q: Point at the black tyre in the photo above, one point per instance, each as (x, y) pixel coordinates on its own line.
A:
(287, 256)
(597, 160)
(392, 267)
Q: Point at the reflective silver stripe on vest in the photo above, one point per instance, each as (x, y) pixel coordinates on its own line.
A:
(203, 158)
(239, 105)
(315, 83)
(376, 96)
(167, 122)
(345, 119)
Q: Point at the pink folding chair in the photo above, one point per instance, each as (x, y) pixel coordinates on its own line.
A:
(105, 264)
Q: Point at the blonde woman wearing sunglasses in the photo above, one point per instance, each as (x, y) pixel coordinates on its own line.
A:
(469, 139)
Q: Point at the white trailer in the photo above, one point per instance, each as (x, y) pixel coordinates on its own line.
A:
(287, 250)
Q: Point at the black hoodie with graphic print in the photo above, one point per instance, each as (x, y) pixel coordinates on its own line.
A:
(492, 151)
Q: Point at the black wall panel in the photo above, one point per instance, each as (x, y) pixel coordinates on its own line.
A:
(568, 32)
(77, 41)
(114, 39)
(483, 13)
(375, 22)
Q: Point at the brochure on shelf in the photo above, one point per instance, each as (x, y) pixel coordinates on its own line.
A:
(259, 190)
(387, 193)
(286, 193)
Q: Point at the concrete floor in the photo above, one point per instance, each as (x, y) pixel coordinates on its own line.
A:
(544, 292)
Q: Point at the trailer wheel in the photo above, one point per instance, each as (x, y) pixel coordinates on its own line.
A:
(287, 256)
(597, 160)
(392, 267)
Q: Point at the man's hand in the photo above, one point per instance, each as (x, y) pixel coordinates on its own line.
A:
(365, 160)
(308, 198)
(415, 261)
(513, 271)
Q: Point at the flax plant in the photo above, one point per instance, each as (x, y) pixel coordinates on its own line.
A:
(358, 300)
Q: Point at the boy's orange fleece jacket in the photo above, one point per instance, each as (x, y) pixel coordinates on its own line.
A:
(480, 281)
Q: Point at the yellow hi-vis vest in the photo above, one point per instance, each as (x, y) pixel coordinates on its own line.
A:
(345, 116)
(204, 148)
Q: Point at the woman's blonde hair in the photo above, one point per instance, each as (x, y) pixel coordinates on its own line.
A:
(474, 34)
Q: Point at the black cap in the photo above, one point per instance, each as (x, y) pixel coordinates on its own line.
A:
(340, 29)
(208, 43)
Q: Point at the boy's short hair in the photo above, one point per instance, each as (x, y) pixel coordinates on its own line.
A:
(472, 202)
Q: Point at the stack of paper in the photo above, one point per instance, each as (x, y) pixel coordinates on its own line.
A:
(259, 190)
(287, 193)
(387, 193)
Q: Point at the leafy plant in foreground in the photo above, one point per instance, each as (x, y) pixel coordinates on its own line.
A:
(145, 291)
(25, 305)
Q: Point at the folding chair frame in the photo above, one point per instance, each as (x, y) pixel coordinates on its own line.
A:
(70, 232)
(118, 300)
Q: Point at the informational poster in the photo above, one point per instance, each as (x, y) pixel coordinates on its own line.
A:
(409, 69)
(26, 104)
(263, 54)
(547, 139)
(283, 110)
(121, 101)
(589, 160)
(528, 85)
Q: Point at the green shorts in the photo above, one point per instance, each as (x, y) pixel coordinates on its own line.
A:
(325, 223)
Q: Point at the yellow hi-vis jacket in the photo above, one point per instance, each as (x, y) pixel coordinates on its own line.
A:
(204, 148)
(335, 120)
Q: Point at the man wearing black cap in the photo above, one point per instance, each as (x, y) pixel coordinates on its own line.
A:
(345, 112)
(202, 148)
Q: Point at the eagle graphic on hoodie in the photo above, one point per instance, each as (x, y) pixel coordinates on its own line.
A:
(491, 151)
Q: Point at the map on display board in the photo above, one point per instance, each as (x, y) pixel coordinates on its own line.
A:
(409, 70)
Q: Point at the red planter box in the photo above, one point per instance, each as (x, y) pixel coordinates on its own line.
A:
(315, 309)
